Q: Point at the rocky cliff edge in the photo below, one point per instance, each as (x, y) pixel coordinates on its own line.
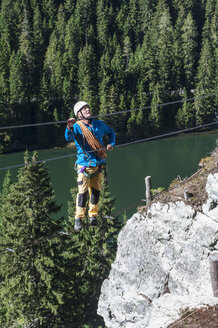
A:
(162, 266)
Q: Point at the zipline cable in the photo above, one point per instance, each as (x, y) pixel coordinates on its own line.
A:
(109, 114)
(117, 146)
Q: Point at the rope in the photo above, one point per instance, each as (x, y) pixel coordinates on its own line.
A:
(111, 114)
(92, 141)
(117, 146)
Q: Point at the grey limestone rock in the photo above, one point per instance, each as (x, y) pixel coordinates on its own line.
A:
(162, 264)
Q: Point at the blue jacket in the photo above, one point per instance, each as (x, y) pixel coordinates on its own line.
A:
(99, 129)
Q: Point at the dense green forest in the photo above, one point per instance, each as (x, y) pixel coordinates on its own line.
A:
(114, 54)
(50, 276)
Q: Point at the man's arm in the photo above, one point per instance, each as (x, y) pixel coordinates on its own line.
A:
(112, 137)
(69, 135)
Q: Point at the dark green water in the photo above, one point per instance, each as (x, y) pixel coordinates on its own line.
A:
(162, 159)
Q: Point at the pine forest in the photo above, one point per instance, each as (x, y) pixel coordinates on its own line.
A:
(156, 56)
(116, 55)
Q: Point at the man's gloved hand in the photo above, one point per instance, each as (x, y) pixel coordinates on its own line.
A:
(71, 122)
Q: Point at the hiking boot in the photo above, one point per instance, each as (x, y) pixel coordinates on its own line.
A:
(78, 224)
(93, 221)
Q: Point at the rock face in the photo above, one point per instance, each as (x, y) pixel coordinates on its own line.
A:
(162, 265)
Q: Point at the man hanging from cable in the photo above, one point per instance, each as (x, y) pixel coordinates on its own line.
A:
(88, 134)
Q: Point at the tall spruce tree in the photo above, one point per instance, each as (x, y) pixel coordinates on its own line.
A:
(5, 186)
(189, 47)
(53, 59)
(132, 128)
(39, 47)
(178, 66)
(146, 11)
(70, 61)
(156, 114)
(33, 279)
(132, 26)
(185, 117)
(104, 23)
(49, 8)
(164, 51)
(87, 76)
(206, 84)
(84, 16)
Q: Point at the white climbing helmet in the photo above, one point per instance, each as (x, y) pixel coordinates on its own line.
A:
(78, 106)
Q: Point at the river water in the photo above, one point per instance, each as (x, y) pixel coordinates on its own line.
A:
(162, 159)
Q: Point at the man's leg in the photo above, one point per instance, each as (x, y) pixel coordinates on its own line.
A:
(82, 194)
(94, 192)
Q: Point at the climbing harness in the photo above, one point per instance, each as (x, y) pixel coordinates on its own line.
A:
(101, 168)
(83, 170)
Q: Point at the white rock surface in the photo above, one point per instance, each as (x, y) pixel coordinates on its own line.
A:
(162, 264)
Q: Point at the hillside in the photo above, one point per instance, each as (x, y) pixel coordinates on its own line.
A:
(159, 56)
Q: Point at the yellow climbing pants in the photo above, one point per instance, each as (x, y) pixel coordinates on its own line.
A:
(85, 185)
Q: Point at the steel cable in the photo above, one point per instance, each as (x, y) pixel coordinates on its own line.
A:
(110, 114)
(117, 146)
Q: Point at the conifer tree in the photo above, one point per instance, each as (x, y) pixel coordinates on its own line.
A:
(206, 84)
(127, 50)
(210, 25)
(49, 8)
(156, 115)
(5, 51)
(53, 60)
(18, 78)
(132, 26)
(146, 12)
(39, 47)
(131, 123)
(5, 136)
(188, 5)
(83, 17)
(118, 69)
(120, 19)
(87, 76)
(165, 51)
(10, 18)
(45, 137)
(142, 115)
(122, 106)
(69, 5)
(149, 65)
(5, 187)
(185, 117)
(70, 62)
(32, 268)
(105, 77)
(104, 23)
(189, 46)
(138, 68)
